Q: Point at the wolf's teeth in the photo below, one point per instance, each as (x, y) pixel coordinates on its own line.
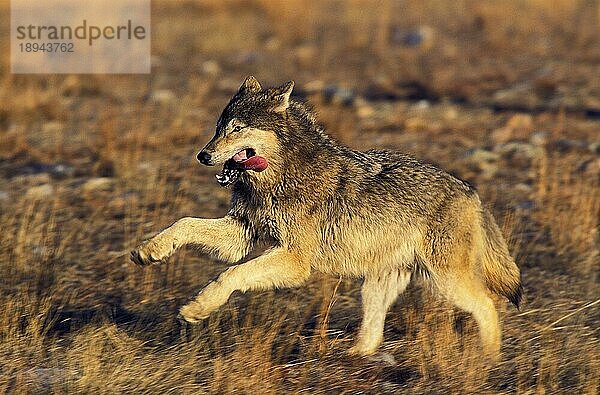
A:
(223, 179)
(228, 176)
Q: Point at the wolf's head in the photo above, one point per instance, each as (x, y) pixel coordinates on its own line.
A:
(245, 137)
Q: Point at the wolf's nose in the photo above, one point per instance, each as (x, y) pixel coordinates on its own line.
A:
(204, 158)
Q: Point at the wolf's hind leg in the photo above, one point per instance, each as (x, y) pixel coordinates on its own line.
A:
(378, 294)
(225, 238)
(470, 295)
(276, 268)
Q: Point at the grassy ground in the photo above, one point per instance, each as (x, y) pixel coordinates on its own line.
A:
(504, 94)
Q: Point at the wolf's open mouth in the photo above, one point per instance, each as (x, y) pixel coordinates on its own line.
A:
(244, 160)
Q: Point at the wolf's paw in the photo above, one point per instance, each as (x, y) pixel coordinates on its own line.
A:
(194, 312)
(213, 296)
(154, 251)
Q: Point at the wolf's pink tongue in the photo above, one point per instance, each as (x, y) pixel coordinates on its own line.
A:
(256, 163)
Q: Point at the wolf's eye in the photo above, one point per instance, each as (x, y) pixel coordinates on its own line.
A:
(237, 128)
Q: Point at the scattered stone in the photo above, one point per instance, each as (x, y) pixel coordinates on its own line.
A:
(118, 204)
(56, 170)
(594, 148)
(539, 139)
(520, 154)
(523, 188)
(517, 126)
(450, 114)
(103, 168)
(4, 196)
(363, 108)
(98, 184)
(52, 127)
(593, 113)
(146, 167)
(412, 39)
(39, 192)
(162, 96)
(71, 85)
(423, 37)
(520, 96)
(272, 44)
(416, 124)
(62, 171)
(488, 170)
(502, 135)
(383, 88)
(338, 95)
(421, 105)
(590, 167)
(30, 179)
(74, 85)
(527, 205)
(484, 162)
(211, 67)
(306, 54)
(482, 155)
(314, 86)
(520, 121)
(564, 145)
(48, 137)
(228, 85)
(246, 58)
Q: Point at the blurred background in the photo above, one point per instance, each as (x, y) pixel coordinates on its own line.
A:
(504, 94)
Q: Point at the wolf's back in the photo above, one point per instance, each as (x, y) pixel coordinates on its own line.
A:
(501, 273)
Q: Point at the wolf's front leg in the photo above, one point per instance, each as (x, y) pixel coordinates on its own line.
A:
(225, 238)
(276, 268)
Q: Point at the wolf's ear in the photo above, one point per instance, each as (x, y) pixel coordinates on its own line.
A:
(250, 85)
(281, 96)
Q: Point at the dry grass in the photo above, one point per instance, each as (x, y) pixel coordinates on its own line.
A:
(77, 317)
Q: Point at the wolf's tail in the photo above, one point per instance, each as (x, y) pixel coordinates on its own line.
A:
(500, 271)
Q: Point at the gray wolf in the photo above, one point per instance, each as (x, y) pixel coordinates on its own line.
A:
(380, 216)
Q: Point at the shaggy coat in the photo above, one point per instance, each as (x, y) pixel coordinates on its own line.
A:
(377, 215)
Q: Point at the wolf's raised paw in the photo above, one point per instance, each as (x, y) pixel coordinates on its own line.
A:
(151, 253)
(193, 312)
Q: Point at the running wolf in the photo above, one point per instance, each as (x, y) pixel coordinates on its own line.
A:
(377, 215)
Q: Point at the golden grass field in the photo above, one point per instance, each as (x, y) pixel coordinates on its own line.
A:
(504, 94)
